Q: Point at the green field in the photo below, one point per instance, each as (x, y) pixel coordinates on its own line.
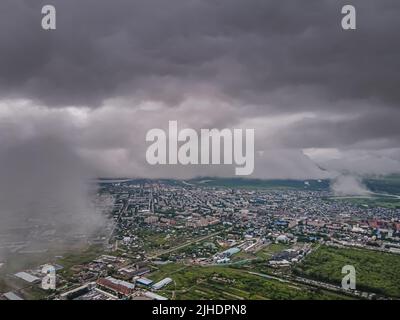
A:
(80, 257)
(389, 184)
(214, 282)
(371, 202)
(385, 184)
(270, 250)
(375, 271)
(261, 184)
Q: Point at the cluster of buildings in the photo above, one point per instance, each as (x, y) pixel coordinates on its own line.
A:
(163, 220)
(181, 211)
(290, 256)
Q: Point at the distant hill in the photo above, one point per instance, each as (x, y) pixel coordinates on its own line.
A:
(261, 184)
(388, 184)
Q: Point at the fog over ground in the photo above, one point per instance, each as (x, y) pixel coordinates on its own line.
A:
(77, 102)
(348, 185)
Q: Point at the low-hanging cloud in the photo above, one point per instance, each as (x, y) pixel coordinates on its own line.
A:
(349, 185)
(45, 189)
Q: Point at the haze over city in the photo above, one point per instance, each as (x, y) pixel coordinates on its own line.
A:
(77, 102)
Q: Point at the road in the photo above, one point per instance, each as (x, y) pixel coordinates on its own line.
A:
(186, 244)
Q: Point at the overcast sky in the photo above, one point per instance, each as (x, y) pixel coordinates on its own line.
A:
(76, 102)
(317, 96)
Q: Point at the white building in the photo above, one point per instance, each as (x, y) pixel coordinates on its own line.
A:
(162, 283)
(27, 277)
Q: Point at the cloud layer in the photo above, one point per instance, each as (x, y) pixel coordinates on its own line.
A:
(114, 70)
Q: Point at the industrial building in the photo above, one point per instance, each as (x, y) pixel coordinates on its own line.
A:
(154, 296)
(144, 281)
(27, 277)
(12, 296)
(162, 283)
(116, 286)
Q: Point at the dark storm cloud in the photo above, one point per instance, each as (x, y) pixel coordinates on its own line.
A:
(264, 52)
(382, 126)
(221, 63)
